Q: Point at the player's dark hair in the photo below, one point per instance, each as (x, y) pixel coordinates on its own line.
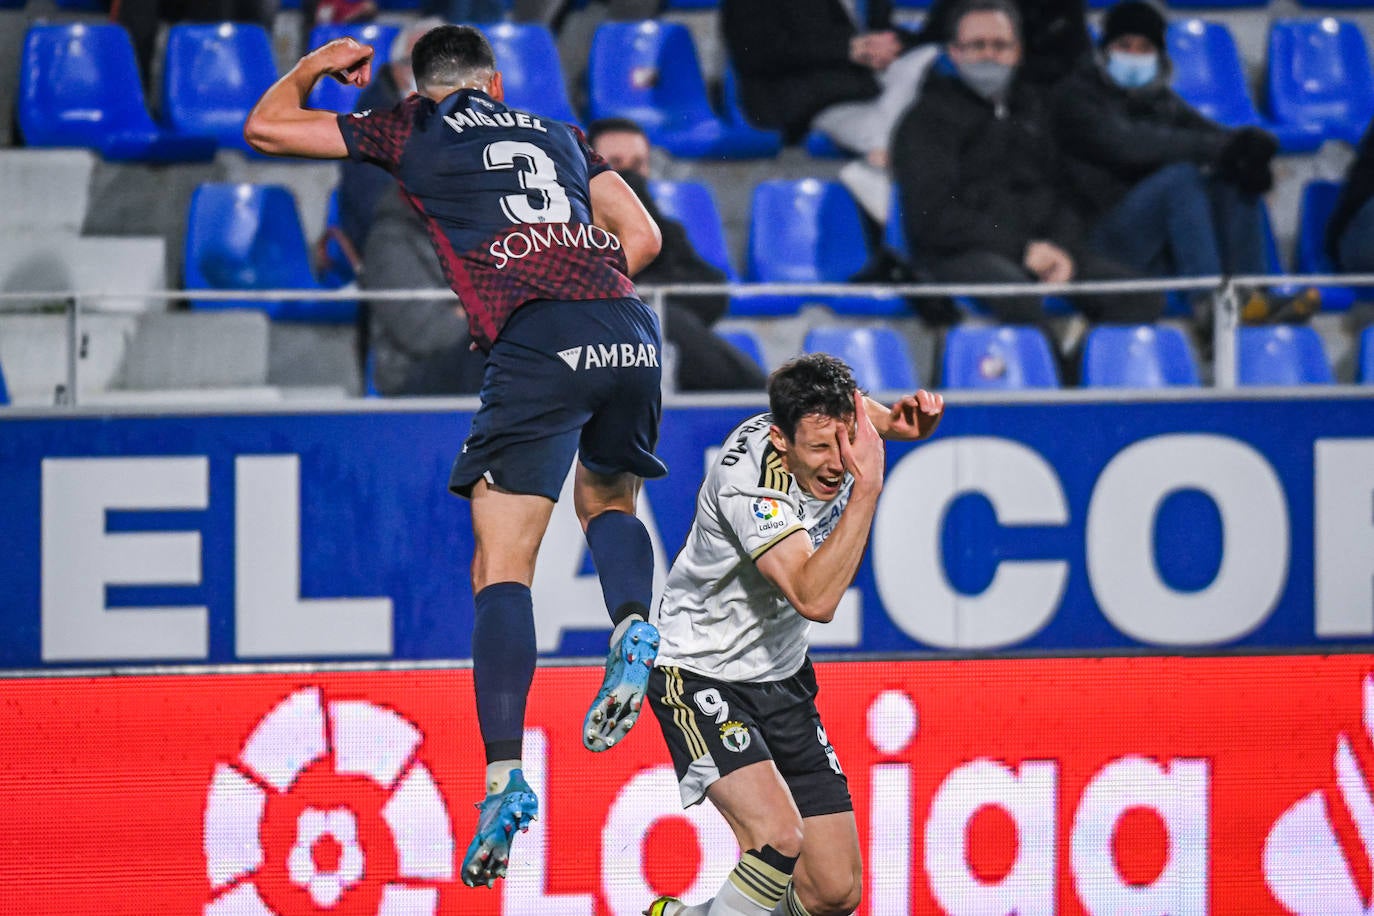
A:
(603, 126)
(817, 383)
(452, 55)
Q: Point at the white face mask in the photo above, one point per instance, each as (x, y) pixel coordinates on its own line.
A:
(1131, 71)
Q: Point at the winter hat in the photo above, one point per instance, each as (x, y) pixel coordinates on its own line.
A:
(1134, 17)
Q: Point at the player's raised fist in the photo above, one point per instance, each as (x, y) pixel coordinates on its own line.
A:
(345, 59)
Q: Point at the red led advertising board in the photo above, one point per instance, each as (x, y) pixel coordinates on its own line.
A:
(1031, 786)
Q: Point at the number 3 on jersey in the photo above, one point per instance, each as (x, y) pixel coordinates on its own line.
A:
(537, 174)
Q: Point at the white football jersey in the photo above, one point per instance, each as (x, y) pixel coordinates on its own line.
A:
(719, 616)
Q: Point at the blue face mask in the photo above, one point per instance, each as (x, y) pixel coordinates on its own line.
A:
(1131, 71)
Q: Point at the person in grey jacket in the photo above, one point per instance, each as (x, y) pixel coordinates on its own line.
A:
(1164, 188)
(417, 346)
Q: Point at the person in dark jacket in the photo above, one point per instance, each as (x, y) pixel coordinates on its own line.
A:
(1165, 189)
(1350, 230)
(1054, 33)
(797, 59)
(705, 360)
(982, 185)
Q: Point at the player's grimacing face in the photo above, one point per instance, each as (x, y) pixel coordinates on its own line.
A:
(812, 455)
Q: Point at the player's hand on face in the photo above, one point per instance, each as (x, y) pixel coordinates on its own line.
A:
(863, 454)
(347, 60)
(915, 416)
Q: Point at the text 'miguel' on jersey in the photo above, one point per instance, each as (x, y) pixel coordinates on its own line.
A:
(505, 195)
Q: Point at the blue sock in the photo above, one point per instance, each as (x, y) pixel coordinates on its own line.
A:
(624, 558)
(503, 654)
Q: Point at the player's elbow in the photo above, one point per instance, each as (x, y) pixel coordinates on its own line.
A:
(257, 133)
(816, 611)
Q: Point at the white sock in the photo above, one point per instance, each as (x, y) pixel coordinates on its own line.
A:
(498, 774)
(730, 902)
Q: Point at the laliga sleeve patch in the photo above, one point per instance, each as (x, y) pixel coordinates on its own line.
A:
(768, 516)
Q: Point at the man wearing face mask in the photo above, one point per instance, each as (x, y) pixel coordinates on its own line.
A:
(982, 185)
(1165, 189)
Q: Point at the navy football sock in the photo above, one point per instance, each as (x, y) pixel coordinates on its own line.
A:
(503, 654)
(624, 558)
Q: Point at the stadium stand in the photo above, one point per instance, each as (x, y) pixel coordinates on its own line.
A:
(1138, 356)
(1209, 75)
(1004, 358)
(243, 237)
(4, 390)
(1319, 74)
(335, 265)
(649, 72)
(747, 342)
(212, 76)
(79, 86)
(693, 204)
(1365, 374)
(808, 231)
(879, 356)
(530, 69)
(1282, 355)
(331, 95)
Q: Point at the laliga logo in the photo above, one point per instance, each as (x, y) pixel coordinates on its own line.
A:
(1304, 863)
(327, 805)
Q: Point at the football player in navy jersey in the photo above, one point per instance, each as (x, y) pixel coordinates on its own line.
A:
(539, 239)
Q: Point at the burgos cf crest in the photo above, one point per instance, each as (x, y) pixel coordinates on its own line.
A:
(734, 735)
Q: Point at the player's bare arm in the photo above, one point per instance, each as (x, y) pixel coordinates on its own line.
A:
(814, 581)
(912, 417)
(617, 209)
(281, 125)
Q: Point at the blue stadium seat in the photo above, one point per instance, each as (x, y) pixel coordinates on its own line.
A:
(691, 4)
(1002, 358)
(1282, 354)
(332, 95)
(1208, 74)
(1337, 4)
(748, 343)
(1138, 356)
(731, 112)
(808, 231)
(1366, 367)
(79, 86)
(694, 205)
(879, 356)
(530, 70)
(4, 391)
(213, 74)
(1319, 74)
(247, 237)
(649, 72)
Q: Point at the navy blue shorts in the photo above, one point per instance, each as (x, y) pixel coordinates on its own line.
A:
(567, 378)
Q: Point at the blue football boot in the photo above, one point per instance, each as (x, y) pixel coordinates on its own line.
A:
(502, 814)
(617, 703)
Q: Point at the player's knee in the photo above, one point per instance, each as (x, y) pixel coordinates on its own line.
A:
(786, 838)
(837, 893)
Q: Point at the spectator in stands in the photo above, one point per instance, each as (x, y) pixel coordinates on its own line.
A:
(841, 67)
(1164, 189)
(1054, 35)
(1350, 231)
(705, 361)
(141, 18)
(417, 346)
(361, 186)
(982, 186)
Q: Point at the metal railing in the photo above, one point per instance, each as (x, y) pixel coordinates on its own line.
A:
(1224, 291)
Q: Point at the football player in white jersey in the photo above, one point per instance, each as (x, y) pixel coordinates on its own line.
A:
(781, 523)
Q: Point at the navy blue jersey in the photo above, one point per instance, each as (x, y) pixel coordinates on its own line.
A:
(505, 195)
